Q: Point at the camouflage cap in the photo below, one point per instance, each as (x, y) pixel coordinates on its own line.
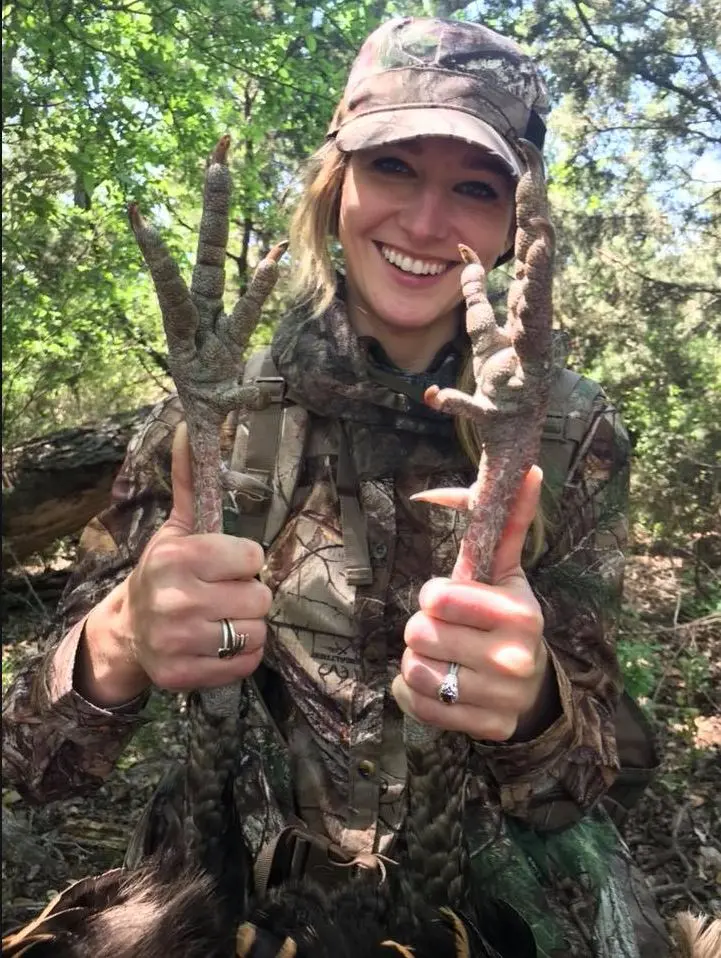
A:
(432, 77)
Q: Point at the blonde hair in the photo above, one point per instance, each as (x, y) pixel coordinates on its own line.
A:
(314, 222)
(313, 284)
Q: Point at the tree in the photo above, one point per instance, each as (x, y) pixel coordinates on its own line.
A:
(635, 167)
(107, 103)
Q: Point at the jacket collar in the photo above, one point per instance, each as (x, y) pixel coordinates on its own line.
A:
(332, 371)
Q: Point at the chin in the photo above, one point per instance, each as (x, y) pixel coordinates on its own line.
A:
(413, 315)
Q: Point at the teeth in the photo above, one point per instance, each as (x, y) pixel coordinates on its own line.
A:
(417, 266)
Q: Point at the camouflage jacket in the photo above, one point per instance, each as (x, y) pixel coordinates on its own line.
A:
(329, 745)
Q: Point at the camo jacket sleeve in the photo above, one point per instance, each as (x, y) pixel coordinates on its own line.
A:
(55, 743)
(550, 781)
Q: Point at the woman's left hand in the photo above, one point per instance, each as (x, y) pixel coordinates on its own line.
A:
(494, 632)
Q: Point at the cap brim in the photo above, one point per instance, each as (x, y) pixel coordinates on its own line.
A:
(392, 126)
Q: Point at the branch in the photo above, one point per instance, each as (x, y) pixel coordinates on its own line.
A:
(639, 69)
(665, 283)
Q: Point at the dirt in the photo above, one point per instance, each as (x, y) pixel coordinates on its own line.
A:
(674, 833)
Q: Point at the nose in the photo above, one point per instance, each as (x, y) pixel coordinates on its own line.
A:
(424, 217)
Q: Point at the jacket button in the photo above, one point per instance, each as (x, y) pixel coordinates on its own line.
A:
(366, 769)
(379, 551)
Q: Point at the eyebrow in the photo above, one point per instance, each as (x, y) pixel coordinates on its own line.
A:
(487, 162)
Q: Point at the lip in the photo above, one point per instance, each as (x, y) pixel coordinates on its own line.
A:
(413, 280)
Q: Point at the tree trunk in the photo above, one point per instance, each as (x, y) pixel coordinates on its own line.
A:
(54, 484)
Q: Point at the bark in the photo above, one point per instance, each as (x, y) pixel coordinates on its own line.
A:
(54, 484)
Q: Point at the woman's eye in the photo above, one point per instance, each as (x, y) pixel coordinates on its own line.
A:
(479, 189)
(390, 164)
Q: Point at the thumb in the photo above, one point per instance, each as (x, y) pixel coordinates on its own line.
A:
(507, 560)
(182, 515)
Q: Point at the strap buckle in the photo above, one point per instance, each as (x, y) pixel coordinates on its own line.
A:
(358, 575)
(274, 386)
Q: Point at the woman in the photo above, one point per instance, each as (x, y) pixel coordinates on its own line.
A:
(422, 155)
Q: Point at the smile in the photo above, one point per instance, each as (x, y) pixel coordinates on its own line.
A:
(408, 264)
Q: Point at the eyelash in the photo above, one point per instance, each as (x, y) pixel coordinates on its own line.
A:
(390, 164)
(479, 189)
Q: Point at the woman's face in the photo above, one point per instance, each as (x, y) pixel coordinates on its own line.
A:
(404, 210)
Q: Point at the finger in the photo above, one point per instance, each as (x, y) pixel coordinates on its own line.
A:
(182, 514)
(488, 689)
(250, 633)
(179, 635)
(181, 562)
(247, 600)
(478, 723)
(478, 606)
(510, 652)
(218, 557)
(193, 672)
(507, 560)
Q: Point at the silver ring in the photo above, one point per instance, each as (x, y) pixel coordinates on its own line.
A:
(448, 689)
(233, 642)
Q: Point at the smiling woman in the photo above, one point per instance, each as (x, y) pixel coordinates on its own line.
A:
(344, 612)
(404, 210)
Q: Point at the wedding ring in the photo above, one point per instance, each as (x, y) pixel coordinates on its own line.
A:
(448, 689)
(233, 642)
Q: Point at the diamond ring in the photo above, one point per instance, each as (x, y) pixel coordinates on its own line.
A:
(448, 689)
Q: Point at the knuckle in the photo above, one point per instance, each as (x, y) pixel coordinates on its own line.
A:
(260, 633)
(169, 675)
(500, 728)
(514, 658)
(412, 670)
(262, 598)
(529, 620)
(438, 600)
(247, 664)
(253, 555)
(172, 605)
(419, 629)
(423, 708)
(164, 554)
(525, 667)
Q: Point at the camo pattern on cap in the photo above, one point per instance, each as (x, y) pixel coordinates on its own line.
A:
(494, 68)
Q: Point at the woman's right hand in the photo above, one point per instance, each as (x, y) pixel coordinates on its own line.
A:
(162, 625)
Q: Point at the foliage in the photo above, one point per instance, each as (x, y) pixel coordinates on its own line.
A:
(641, 665)
(106, 103)
(635, 164)
(666, 651)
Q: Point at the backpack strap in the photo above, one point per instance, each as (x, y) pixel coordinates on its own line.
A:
(273, 453)
(257, 454)
(566, 424)
(355, 535)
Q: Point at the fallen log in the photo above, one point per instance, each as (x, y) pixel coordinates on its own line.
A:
(52, 485)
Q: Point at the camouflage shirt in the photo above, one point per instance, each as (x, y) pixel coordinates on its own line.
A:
(333, 648)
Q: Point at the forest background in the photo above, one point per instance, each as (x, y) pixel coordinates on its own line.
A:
(107, 102)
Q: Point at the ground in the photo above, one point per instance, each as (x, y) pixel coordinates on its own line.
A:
(670, 647)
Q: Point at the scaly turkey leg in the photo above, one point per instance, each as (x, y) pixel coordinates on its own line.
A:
(512, 367)
(205, 357)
